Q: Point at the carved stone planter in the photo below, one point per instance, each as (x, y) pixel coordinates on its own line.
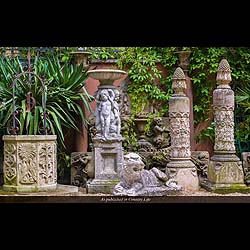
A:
(30, 163)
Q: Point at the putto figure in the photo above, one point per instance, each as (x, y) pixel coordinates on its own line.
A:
(108, 123)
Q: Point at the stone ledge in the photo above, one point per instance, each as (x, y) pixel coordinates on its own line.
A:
(221, 188)
(73, 194)
(61, 190)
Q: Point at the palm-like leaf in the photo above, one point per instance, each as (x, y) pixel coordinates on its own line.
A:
(65, 94)
(243, 96)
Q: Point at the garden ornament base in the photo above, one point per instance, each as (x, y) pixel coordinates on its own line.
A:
(30, 163)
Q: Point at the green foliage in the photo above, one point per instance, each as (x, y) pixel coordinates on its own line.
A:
(128, 132)
(150, 85)
(64, 85)
(105, 53)
(242, 131)
(64, 162)
(142, 64)
(242, 128)
(203, 68)
(65, 96)
(208, 133)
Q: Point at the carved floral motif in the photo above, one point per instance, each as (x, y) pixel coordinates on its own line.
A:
(47, 173)
(180, 135)
(27, 163)
(10, 168)
(224, 131)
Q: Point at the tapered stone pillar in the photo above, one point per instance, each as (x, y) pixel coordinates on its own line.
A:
(108, 154)
(225, 172)
(180, 167)
(184, 56)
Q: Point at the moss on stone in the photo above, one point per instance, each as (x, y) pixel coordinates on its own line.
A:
(233, 188)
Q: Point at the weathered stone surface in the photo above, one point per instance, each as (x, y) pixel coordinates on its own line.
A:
(246, 166)
(223, 188)
(225, 170)
(107, 158)
(180, 165)
(82, 168)
(60, 190)
(108, 154)
(1, 170)
(98, 186)
(201, 162)
(30, 163)
(135, 180)
(185, 174)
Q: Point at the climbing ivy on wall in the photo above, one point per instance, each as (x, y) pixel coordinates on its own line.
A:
(203, 68)
(149, 84)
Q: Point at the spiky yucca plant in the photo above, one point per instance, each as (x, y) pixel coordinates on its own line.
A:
(242, 98)
(65, 98)
(65, 91)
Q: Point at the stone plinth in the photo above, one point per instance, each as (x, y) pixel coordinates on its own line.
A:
(225, 172)
(180, 167)
(108, 154)
(184, 172)
(107, 158)
(30, 163)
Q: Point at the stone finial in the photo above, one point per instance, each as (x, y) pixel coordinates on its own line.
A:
(223, 74)
(179, 82)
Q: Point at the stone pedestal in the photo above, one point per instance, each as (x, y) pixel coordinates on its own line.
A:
(30, 163)
(180, 167)
(185, 173)
(108, 157)
(225, 172)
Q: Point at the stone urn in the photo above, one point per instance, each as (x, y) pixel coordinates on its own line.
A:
(81, 57)
(106, 77)
(184, 56)
(141, 122)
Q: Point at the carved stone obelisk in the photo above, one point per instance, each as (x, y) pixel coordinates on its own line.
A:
(180, 167)
(225, 170)
(108, 154)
